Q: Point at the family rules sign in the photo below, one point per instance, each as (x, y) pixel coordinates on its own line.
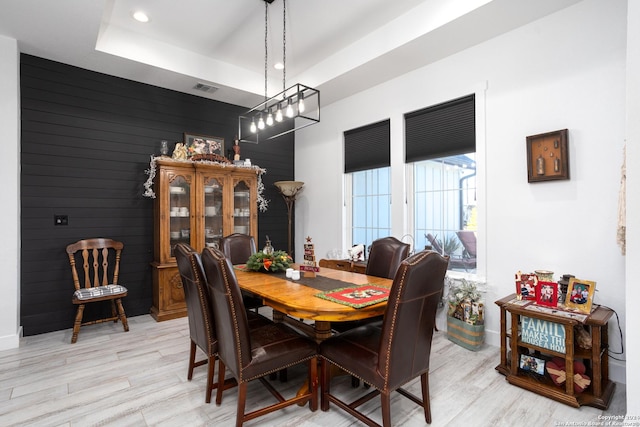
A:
(543, 334)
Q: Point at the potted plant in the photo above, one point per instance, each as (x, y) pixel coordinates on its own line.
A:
(465, 314)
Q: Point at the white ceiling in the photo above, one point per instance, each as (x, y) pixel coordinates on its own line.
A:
(337, 46)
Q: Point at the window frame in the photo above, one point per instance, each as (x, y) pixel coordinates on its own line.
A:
(479, 91)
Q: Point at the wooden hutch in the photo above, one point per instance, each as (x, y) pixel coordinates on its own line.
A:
(196, 203)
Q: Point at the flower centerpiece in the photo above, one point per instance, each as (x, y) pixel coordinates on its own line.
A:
(465, 314)
(274, 261)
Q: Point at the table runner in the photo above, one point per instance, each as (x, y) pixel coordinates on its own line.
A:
(320, 283)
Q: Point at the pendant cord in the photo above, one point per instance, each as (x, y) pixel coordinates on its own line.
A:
(266, 46)
(284, 47)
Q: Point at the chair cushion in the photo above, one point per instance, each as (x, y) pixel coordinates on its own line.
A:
(275, 347)
(99, 291)
(356, 352)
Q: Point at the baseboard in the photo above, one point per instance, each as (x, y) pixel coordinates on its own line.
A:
(8, 342)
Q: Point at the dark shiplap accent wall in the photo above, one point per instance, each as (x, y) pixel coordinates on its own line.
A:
(86, 142)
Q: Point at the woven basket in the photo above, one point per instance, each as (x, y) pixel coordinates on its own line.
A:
(464, 334)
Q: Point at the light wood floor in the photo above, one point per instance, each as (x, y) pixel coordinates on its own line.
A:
(139, 378)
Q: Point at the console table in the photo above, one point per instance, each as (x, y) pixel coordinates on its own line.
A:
(598, 394)
(344, 265)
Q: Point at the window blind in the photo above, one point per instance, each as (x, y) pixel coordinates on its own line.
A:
(441, 130)
(367, 147)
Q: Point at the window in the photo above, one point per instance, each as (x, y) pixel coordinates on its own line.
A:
(445, 208)
(440, 146)
(367, 165)
(370, 205)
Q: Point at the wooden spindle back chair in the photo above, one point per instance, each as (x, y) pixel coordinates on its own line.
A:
(100, 261)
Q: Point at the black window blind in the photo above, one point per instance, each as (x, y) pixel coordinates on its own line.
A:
(367, 147)
(441, 130)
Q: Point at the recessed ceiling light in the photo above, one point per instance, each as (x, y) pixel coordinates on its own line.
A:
(278, 65)
(140, 16)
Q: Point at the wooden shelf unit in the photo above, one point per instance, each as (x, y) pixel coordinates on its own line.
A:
(598, 394)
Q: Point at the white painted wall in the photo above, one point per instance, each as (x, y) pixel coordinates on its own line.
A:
(10, 329)
(633, 206)
(564, 71)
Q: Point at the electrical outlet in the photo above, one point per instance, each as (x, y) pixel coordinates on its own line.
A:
(61, 220)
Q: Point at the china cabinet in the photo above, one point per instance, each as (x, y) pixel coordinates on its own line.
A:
(196, 203)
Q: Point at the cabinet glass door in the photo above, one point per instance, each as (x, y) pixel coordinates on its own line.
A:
(241, 210)
(179, 212)
(213, 209)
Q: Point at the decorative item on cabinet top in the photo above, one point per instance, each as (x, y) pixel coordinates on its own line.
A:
(263, 203)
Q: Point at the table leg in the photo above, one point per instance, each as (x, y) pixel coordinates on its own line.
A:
(322, 331)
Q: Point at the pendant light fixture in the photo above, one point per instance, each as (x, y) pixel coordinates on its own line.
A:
(292, 109)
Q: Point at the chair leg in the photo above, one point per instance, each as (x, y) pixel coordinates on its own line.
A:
(426, 401)
(113, 311)
(325, 382)
(242, 398)
(123, 317)
(385, 402)
(221, 369)
(313, 382)
(210, 371)
(77, 323)
(192, 360)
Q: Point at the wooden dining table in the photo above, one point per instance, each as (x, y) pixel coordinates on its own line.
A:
(293, 302)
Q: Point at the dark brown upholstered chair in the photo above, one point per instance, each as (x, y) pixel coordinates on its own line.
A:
(253, 353)
(385, 257)
(201, 320)
(238, 248)
(100, 260)
(389, 357)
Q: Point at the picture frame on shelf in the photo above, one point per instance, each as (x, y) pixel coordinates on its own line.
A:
(547, 294)
(532, 364)
(526, 284)
(203, 144)
(548, 156)
(580, 295)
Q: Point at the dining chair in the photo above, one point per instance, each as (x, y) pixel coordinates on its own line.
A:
(385, 257)
(251, 354)
(100, 261)
(201, 320)
(390, 356)
(238, 248)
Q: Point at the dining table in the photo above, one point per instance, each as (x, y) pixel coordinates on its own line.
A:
(296, 301)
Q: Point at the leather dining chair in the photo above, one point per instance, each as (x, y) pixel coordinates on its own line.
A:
(251, 354)
(390, 356)
(238, 248)
(100, 261)
(385, 257)
(201, 320)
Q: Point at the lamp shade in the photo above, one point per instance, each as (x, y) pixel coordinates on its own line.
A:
(288, 188)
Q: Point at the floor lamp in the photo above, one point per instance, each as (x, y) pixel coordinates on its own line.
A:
(289, 190)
